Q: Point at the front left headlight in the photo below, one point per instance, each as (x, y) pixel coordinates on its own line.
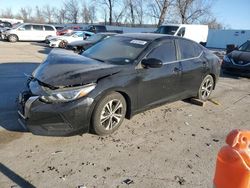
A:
(226, 59)
(67, 94)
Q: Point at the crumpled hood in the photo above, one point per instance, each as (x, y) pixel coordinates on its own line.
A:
(237, 55)
(65, 68)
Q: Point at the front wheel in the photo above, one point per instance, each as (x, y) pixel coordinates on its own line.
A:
(63, 44)
(206, 88)
(109, 114)
(12, 38)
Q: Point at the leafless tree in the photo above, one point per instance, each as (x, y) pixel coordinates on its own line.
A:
(140, 10)
(119, 15)
(212, 22)
(25, 13)
(130, 4)
(7, 13)
(158, 9)
(38, 15)
(60, 15)
(71, 8)
(191, 11)
(88, 13)
(48, 13)
(109, 4)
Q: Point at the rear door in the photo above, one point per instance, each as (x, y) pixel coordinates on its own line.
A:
(193, 66)
(160, 84)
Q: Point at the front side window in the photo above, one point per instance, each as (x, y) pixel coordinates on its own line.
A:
(117, 50)
(188, 49)
(245, 47)
(181, 32)
(165, 52)
(38, 27)
(26, 27)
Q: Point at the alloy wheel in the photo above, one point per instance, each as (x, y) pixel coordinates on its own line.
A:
(206, 88)
(111, 114)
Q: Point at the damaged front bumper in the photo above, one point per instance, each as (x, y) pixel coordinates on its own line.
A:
(59, 119)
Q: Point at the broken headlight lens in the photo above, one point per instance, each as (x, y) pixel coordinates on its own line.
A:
(67, 94)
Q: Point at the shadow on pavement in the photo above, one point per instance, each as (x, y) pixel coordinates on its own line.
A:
(12, 82)
(45, 50)
(232, 75)
(15, 177)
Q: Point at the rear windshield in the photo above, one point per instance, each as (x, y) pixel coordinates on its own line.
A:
(245, 47)
(169, 30)
(117, 50)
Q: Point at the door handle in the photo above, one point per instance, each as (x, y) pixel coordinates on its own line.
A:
(176, 70)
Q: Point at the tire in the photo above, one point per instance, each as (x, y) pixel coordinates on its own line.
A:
(63, 44)
(206, 88)
(12, 38)
(105, 122)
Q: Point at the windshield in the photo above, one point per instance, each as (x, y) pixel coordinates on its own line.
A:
(169, 30)
(95, 38)
(16, 26)
(245, 47)
(118, 50)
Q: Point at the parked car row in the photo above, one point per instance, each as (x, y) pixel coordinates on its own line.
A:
(41, 32)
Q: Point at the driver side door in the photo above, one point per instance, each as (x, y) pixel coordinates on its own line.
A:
(159, 85)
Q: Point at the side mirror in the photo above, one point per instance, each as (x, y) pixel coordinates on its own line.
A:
(151, 63)
(21, 29)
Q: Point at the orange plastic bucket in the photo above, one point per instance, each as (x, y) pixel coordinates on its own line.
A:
(233, 162)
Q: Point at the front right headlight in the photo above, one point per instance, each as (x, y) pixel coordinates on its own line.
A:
(67, 94)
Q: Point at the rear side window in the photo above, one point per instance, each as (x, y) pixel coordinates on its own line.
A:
(165, 52)
(189, 49)
(48, 28)
(38, 27)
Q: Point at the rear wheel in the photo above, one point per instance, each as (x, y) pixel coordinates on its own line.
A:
(206, 88)
(109, 114)
(12, 38)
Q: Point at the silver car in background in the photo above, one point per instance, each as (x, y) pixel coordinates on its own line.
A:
(29, 32)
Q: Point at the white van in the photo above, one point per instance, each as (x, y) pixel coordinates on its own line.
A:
(29, 32)
(197, 33)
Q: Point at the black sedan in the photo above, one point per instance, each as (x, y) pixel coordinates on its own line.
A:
(238, 61)
(80, 46)
(116, 78)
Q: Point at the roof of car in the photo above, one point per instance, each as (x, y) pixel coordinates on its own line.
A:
(146, 36)
(107, 33)
(36, 24)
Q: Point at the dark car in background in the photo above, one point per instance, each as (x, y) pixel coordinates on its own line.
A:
(238, 61)
(70, 29)
(101, 29)
(116, 78)
(80, 46)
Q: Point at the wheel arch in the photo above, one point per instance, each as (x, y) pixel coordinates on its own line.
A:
(128, 103)
(214, 78)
